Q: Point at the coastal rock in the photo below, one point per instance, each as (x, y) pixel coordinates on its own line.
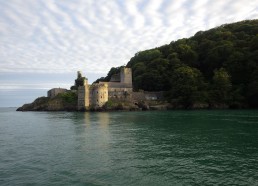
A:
(158, 107)
(49, 104)
(143, 105)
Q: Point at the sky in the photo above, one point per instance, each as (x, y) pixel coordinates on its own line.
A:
(43, 43)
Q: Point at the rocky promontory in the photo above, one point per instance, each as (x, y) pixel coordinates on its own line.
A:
(62, 102)
(68, 102)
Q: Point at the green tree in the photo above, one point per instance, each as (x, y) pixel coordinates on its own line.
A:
(186, 86)
(221, 88)
(152, 81)
(252, 89)
(226, 59)
(112, 71)
(187, 54)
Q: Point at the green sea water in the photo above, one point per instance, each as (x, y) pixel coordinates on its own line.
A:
(129, 148)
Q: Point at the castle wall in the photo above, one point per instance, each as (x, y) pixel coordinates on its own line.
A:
(55, 91)
(126, 75)
(149, 96)
(98, 94)
(115, 78)
(138, 96)
(153, 95)
(120, 93)
(120, 87)
(123, 88)
(83, 96)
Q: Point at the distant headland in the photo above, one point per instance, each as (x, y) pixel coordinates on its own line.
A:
(217, 68)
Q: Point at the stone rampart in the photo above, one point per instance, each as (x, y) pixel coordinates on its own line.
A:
(55, 91)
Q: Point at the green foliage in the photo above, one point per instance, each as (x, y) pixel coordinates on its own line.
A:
(103, 79)
(109, 104)
(186, 86)
(221, 87)
(145, 56)
(112, 71)
(113, 105)
(69, 97)
(74, 87)
(78, 82)
(252, 89)
(215, 66)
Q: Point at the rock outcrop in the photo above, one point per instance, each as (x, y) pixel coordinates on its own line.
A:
(49, 104)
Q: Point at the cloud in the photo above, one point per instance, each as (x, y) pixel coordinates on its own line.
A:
(93, 36)
(43, 43)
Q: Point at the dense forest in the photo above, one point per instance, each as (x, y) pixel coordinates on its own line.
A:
(218, 67)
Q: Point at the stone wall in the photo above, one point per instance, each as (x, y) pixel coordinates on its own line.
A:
(153, 95)
(118, 85)
(83, 97)
(138, 96)
(147, 96)
(126, 75)
(98, 94)
(115, 78)
(120, 93)
(55, 91)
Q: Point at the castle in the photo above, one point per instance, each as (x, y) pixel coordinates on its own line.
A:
(96, 95)
(119, 88)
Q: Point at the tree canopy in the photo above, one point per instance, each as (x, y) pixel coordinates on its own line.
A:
(217, 66)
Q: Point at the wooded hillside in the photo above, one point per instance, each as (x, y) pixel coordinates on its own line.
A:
(215, 67)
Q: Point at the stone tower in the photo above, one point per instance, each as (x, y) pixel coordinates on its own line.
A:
(83, 95)
(126, 76)
(98, 94)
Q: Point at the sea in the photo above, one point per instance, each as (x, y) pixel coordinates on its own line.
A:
(179, 147)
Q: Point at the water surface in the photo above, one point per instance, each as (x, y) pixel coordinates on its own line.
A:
(129, 148)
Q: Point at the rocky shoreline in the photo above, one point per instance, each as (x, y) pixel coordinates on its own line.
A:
(48, 104)
(59, 104)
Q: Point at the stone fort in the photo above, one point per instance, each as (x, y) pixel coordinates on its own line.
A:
(96, 95)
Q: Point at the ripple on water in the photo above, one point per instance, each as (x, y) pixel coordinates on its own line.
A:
(129, 148)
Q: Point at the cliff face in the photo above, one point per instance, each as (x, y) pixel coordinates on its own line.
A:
(49, 104)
